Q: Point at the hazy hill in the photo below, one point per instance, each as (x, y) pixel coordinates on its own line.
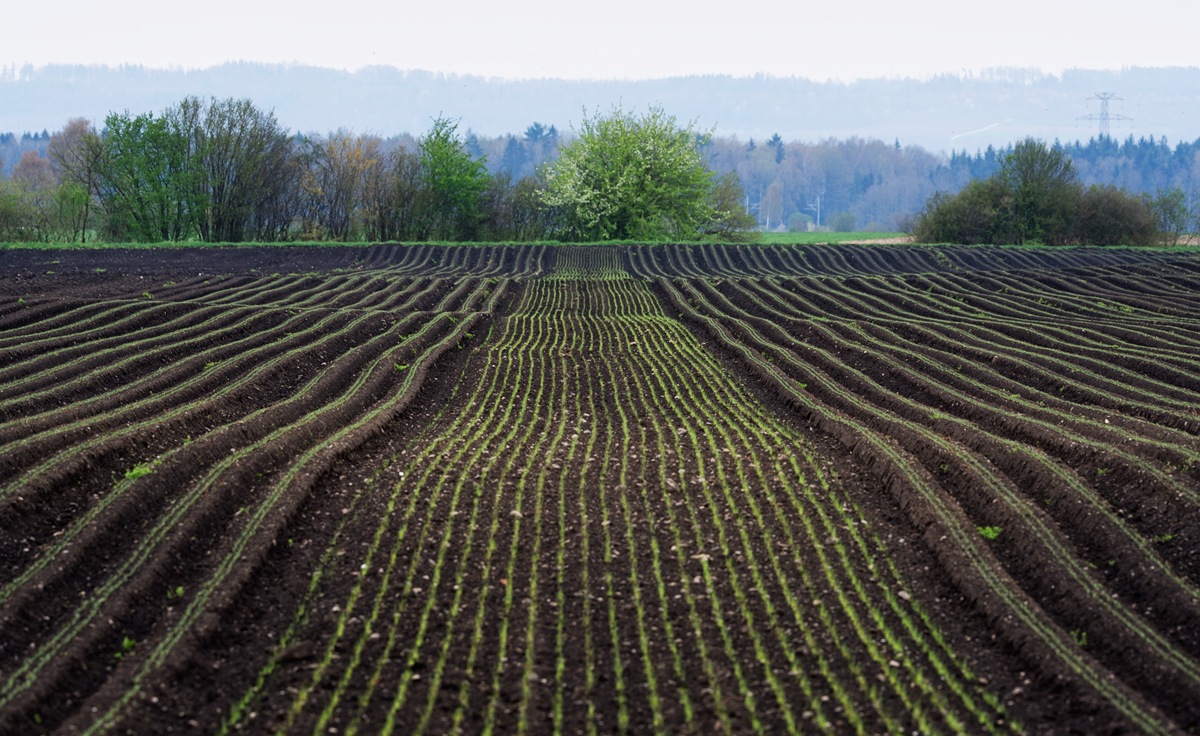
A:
(941, 114)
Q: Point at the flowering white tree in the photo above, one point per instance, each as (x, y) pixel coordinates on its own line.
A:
(632, 178)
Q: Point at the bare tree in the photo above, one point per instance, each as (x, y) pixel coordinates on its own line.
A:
(339, 167)
(34, 173)
(75, 153)
(244, 154)
(771, 207)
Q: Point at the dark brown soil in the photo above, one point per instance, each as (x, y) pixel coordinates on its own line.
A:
(316, 427)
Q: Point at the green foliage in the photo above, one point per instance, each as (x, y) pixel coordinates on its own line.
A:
(39, 214)
(1036, 199)
(137, 471)
(1045, 192)
(219, 171)
(72, 205)
(148, 184)
(1110, 216)
(989, 532)
(16, 216)
(127, 646)
(634, 178)
(983, 212)
(1175, 217)
(454, 183)
(730, 221)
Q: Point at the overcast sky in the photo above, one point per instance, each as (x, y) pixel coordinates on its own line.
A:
(617, 39)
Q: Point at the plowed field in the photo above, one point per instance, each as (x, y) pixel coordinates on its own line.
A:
(627, 489)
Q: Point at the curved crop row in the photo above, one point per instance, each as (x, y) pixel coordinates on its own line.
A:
(447, 261)
(945, 425)
(550, 542)
(244, 476)
(733, 261)
(595, 489)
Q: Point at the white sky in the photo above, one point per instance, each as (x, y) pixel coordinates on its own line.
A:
(613, 39)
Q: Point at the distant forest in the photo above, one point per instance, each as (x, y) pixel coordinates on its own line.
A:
(842, 185)
(941, 113)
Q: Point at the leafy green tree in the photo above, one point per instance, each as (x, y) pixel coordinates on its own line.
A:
(730, 222)
(632, 178)
(981, 213)
(18, 216)
(1170, 207)
(145, 179)
(454, 182)
(72, 209)
(1045, 191)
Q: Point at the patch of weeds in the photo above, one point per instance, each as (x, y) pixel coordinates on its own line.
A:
(401, 366)
(1080, 637)
(137, 471)
(1162, 538)
(175, 593)
(989, 532)
(147, 295)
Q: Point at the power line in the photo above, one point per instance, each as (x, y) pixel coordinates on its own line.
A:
(1104, 116)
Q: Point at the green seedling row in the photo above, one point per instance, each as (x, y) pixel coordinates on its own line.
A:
(623, 488)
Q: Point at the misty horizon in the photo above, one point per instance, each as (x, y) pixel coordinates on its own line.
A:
(946, 113)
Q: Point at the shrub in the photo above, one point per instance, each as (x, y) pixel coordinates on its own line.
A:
(1035, 198)
(983, 212)
(1111, 216)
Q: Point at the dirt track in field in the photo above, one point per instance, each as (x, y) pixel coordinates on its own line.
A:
(674, 488)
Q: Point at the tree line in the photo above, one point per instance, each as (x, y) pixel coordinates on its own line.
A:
(1036, 197)
(860, 184)
(227, 171)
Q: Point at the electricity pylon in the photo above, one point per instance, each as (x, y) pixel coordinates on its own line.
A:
(1104, 116)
